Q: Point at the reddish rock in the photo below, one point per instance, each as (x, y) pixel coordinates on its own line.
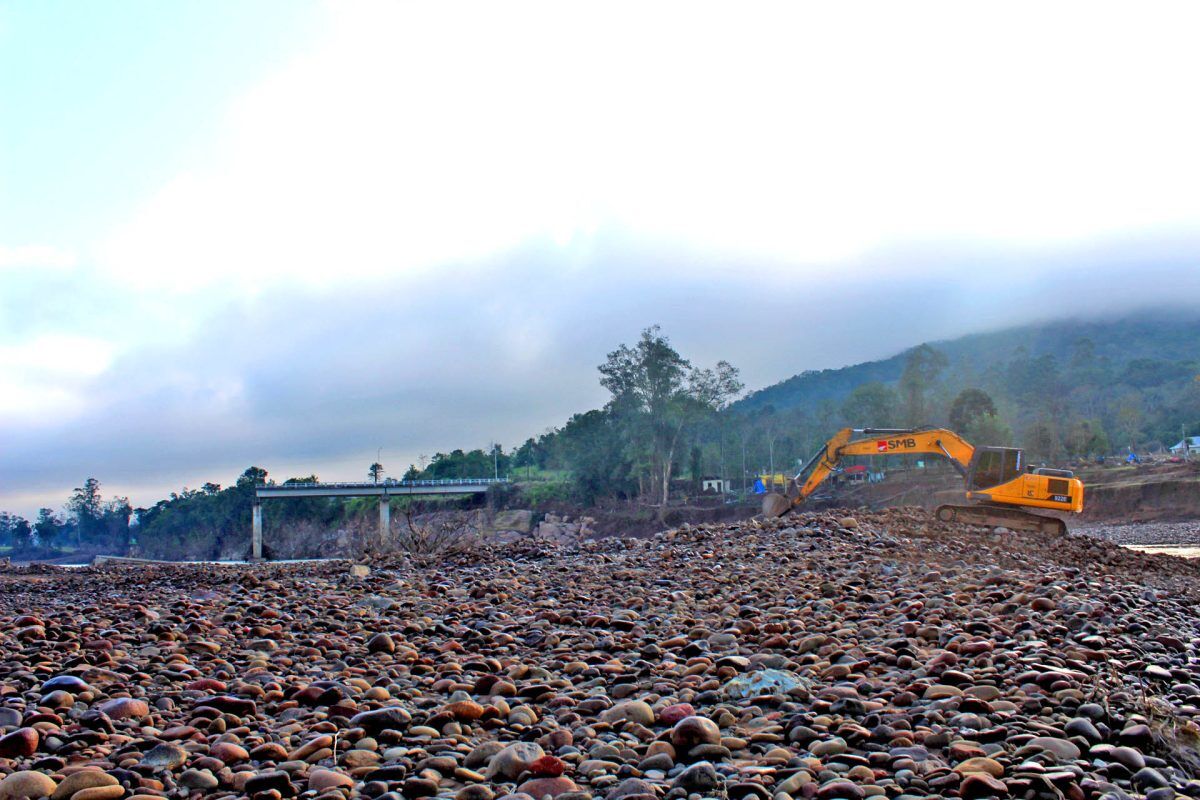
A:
(120, 708)
(980, 784)
(542, 787)
(465, 710)
(207, 685)
(692, 731)
(548, 767)
(381, 643)
(239, 706)
(674, 713)
(19, 743)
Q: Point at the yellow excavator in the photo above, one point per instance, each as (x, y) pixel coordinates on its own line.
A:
(998, 481)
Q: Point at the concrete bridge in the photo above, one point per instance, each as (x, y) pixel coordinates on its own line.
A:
(384, 490)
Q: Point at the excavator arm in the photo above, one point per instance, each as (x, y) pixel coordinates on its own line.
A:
(880, 442)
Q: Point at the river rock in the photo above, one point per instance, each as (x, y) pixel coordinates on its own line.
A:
(19, 743)
(692, 732)
(767, 681)
(631, 711)
(123, 708)
(26, 784)
(547, 787)
(514, 759)
(920, 659)
(83, 779)
(164, 756)
(700, 777)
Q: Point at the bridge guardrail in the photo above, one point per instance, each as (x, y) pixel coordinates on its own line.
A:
(398, 484)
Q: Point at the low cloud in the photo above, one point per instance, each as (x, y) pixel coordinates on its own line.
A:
(36, 256)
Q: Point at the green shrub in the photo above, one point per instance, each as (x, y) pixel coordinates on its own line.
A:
(548, 492)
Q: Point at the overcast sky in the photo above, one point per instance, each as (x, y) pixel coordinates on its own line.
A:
(288, 234)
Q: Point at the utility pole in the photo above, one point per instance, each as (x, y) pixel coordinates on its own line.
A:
(743, 464)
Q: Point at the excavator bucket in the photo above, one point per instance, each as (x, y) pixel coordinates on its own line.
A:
(775, 505)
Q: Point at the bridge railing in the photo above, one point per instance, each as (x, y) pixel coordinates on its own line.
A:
(398, 484)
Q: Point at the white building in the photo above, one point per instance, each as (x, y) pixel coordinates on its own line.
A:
(1191, 443)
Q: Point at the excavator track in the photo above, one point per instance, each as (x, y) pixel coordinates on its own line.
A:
(1000, 516)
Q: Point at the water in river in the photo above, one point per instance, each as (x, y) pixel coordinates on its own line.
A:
(1181, 550)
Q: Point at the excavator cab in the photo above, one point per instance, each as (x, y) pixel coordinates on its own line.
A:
(992, 466)
(1000, 475)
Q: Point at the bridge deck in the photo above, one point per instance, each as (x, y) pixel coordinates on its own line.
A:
(392, 489)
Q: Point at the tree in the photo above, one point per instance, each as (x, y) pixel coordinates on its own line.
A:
(1129, 420)
(375, 472)
(1086, 437)
(1042, 441)
(47, 527)
(22, 534)
(921, 370)
(8, 527)
(871, 405)
(595, 452)
(253, 476)
(115, 521)
(990, 430)
(525, 456)
(696, 469)
(968, 408)
(86, 507)
(657, 393)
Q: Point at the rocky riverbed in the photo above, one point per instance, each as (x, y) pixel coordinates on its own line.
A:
(888, 655)
(1183, 534)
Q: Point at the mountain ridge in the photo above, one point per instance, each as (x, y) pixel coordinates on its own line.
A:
(1170, 337)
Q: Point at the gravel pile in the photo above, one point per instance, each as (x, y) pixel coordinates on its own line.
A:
(887, 655)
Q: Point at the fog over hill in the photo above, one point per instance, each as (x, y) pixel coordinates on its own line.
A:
(1156, 334)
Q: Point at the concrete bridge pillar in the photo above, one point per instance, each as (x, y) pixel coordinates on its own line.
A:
(385, 517)
(256, 549)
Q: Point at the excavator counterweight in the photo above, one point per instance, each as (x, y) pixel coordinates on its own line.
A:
(998, 482)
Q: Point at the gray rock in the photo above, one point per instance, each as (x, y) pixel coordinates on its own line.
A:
(165, 756)
(514, 759)
(765, 682)
(699, 777)
(198, 779)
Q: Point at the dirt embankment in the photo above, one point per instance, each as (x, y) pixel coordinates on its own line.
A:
(1142, 493)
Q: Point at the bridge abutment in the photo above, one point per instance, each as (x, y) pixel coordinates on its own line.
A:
(256, 536)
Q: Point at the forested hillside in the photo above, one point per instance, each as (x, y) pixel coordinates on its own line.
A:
(1064, 390)
(1111, 345)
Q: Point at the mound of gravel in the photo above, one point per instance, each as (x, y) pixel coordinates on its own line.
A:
(823, 656)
